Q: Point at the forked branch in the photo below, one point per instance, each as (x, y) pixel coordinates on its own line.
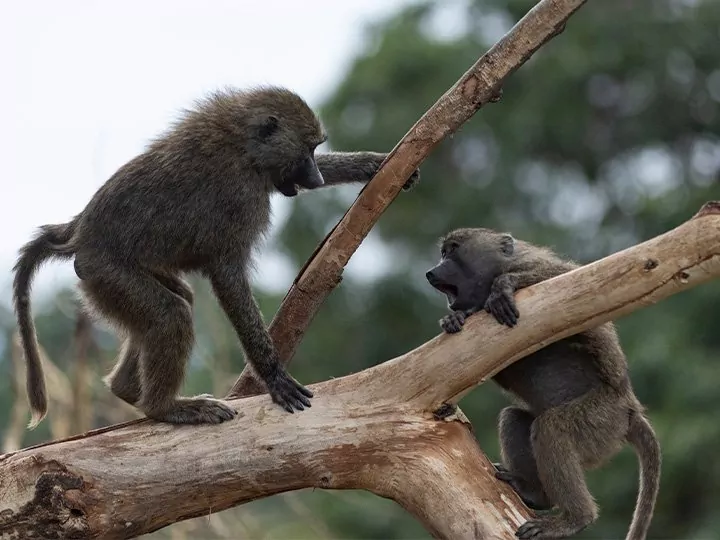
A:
(372, 430)
(481, 84)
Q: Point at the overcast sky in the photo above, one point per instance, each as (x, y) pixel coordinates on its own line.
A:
(87, 83)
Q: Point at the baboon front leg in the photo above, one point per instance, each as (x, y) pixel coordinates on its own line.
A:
(351, 167)
(501, 301)
(235, 296)
(563, 479)
(518, 463)
(124, 379)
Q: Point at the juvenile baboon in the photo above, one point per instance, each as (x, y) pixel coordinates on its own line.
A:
(196, 200)
(576, 406)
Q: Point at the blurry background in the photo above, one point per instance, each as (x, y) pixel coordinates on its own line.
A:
(608, 136)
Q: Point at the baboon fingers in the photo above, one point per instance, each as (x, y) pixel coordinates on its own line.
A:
(305, 401)
(513, 307)
(509, 314)
(297, 400)
(550, 527)
(288, 393)
(289, 408)
(505, 476)
(502, 308)
(305, 391)
(493, 309)
(453, 322)
(412, 181)
(530, 529)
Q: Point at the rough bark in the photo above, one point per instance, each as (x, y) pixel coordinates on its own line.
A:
(372, 430)
(480, 85)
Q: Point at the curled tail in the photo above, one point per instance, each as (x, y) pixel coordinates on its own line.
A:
(51, 241)
(642, 437)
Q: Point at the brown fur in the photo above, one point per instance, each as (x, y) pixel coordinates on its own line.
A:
(197, 200)
(576, 407)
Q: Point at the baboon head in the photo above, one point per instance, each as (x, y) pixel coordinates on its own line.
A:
(286, 133)
(470, 260)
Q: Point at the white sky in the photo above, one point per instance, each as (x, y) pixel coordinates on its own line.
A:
(85, 84)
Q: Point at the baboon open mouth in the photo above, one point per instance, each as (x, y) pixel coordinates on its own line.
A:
(451, 291)
(447, 289)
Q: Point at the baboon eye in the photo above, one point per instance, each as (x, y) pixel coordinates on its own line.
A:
(268, 127)
(447, 250)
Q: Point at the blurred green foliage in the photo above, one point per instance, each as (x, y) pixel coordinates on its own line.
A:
(608, 136)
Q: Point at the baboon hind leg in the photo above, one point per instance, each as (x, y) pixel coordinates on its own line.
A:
(124, 379)
(562, 475)
(161, 321)
(518, 466)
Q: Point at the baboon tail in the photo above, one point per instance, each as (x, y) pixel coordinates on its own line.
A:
(51, 241)
(642, 437)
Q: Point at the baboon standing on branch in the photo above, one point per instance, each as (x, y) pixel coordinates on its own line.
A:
(197, 200)
(576, 406)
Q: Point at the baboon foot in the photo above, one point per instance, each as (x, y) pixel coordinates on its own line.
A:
(195, 410)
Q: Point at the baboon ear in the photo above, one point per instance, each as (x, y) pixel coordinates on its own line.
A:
(507, 244)
(268, 125)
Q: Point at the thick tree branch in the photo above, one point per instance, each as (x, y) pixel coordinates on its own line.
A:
(372, 430)
(586, 297)
(481, 84)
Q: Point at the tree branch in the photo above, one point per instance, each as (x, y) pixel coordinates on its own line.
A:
(481, 84)
(372, 430)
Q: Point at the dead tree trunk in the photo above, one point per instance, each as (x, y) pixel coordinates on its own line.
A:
(372, 430)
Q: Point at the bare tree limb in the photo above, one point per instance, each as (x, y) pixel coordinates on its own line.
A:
(372, 430)
(481, 84)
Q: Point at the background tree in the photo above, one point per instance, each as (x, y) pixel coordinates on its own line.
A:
(608, 136)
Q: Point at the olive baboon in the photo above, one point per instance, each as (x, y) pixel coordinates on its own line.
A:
(196, 200)
(576, 406)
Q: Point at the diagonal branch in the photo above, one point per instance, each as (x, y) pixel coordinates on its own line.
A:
(588, 296)
(481, 84)
(372, 430)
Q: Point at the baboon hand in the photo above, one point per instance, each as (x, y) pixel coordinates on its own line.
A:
(287, 392)
(453, 322)
(501, 305)
(412, 181)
